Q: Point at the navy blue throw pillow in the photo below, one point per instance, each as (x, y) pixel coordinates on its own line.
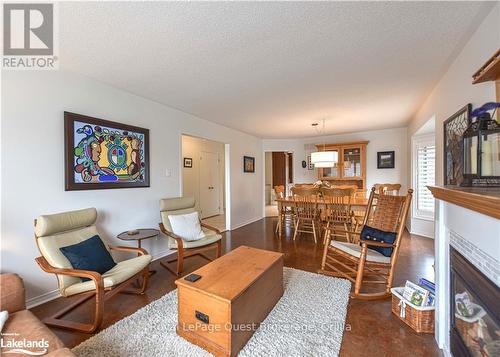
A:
(91, 254)
(373, 234)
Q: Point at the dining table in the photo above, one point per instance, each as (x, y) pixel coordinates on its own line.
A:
(357, 204)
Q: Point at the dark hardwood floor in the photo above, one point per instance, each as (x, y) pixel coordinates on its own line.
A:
(374, 330)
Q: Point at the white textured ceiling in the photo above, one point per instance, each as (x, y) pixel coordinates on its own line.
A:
(272, 68)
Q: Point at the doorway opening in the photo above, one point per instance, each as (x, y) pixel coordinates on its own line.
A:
(204, 178)
(278, 172)
(423, 175)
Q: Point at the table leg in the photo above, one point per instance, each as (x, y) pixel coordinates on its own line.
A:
(280, 218)
(151, 272)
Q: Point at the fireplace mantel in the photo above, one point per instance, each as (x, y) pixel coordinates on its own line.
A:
(468, 220)
(485, 200)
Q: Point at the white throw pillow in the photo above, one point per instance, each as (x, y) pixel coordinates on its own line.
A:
(4, 315)
(187, 226)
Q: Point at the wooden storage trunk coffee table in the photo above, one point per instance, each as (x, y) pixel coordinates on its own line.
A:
(222, 310)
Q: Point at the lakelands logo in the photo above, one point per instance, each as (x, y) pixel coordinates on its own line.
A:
(10, 344)
(29, 36)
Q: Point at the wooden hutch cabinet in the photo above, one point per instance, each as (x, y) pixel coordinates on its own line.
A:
(351, 168)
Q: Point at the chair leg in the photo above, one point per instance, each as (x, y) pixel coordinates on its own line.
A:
(296, 228)
(314, 232)
(359, 275)
(145, 280)
(219, 249)
(325, 251)
(56, 321)
(277, 230)
(181, 255)
(180, 261)
(347, 236)
(140, 289)
(390, 278)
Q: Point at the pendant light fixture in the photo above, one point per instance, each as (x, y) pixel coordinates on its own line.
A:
(323, 158)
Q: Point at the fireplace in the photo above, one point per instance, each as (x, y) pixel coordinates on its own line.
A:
(475, 310)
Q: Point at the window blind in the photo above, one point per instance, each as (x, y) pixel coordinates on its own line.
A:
(426, 158)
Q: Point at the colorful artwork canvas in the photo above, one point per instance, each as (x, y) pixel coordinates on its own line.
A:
(104, 154)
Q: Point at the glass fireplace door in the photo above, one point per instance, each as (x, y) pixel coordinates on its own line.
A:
(475, 327)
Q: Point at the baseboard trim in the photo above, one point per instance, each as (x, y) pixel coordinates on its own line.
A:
(422, 234)
(246, 223)
(42, 299)
(163, 254)
(54, 294)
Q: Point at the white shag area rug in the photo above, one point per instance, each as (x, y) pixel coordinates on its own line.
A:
(307, 321)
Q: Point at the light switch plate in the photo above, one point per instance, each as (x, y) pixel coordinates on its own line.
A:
(168, 172)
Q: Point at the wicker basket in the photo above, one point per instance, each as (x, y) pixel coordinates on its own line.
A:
(419, 318)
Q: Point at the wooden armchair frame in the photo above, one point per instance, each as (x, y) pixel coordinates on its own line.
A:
(183, 253)
(392, 215)
(101, 293)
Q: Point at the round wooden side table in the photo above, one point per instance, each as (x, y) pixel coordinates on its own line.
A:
(144, 233)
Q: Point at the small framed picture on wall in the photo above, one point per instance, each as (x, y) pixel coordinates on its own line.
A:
(385, 159)
(248, 164)
(188, 162)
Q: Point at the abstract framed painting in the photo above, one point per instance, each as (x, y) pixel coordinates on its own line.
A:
(102, 154)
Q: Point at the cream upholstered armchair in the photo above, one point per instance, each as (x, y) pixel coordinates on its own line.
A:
(185, 249)
(64, 229)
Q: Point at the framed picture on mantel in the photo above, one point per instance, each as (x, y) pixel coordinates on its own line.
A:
(101, 154)
(453, 130)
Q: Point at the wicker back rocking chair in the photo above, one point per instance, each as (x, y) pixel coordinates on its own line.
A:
(357, 261)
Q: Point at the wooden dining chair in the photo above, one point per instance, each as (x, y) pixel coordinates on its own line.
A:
(306, 211)
(337, 215)
(304, 185)
(387, 188)
(279, 191)
(285, 215)
(364, 262)
(360, 193)
(392, 189)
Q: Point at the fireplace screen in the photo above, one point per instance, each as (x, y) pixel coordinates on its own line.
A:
(475, 324)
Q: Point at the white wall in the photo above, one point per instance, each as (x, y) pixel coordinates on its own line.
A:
(379, 140)
(193, 147)
(455, 88)
(33, 162)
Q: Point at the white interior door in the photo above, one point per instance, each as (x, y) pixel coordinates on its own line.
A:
(209, 184)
